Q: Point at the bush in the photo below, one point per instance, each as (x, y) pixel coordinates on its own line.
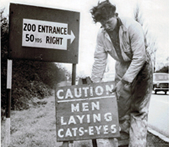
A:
(30, 79)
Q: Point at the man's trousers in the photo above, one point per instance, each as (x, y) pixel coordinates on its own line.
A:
(133, 105)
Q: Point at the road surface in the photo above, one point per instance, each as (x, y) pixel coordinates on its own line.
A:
(159, 113)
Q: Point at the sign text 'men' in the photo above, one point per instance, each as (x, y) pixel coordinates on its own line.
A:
(86, 112)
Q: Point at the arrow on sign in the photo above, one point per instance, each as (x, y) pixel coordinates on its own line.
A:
(48, 35)
(71, 36)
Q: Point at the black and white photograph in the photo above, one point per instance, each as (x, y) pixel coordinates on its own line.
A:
(84, 73)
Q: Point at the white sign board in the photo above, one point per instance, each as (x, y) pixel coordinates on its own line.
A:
(45, 34)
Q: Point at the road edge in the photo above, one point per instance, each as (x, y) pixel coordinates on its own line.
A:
(161, 136)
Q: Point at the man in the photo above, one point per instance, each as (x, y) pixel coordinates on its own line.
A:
(123, 39)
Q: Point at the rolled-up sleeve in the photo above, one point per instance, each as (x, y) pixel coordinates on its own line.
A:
(138, 50)
(100, 60)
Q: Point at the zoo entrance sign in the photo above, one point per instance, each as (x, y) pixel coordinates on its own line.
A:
(45, 34)
(86, 111)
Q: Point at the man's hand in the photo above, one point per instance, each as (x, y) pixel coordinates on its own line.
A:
(118, 85)
(122, 86)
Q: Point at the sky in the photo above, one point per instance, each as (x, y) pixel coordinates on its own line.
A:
(154, 16)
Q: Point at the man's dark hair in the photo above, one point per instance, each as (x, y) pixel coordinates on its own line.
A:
(103, 11)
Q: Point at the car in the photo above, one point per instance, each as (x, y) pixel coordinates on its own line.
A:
(161, 82)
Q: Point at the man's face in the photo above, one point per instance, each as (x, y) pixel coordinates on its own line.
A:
(110, 24)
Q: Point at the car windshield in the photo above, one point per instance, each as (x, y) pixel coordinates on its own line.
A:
(161, 77)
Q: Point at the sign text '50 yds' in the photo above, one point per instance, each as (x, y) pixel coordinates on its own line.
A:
(45, 34)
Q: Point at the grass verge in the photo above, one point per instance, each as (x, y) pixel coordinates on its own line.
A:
(34, 127)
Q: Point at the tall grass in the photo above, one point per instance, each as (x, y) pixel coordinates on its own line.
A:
(36, 126)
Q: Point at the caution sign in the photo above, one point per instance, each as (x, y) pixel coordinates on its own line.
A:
(86, 112)
(45, 34)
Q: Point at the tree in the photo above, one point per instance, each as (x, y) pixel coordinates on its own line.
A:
(164, 69)
(150, 43)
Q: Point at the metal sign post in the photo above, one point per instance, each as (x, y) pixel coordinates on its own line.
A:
(8, 107)
(73, 74)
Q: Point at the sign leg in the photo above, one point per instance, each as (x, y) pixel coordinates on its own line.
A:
(94, 142)
(65, 144)
(73, 74)
(115, 142)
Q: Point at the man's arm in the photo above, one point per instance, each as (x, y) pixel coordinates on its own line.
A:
(100, 57)
(139, 54)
